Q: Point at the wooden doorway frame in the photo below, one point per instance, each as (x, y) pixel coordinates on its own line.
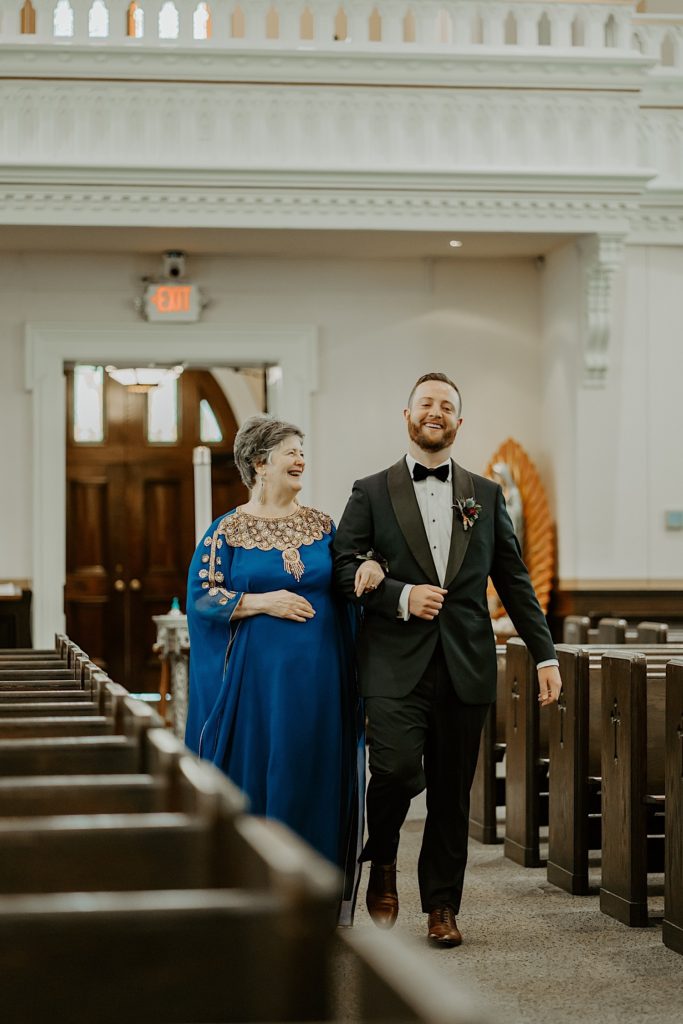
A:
(49, 346)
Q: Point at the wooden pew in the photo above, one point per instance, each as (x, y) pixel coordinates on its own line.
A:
(575, 740)
(632, 721)
(575, 629)
(208, 955)
(400, 983)
(525, 768)
(123, 751)
(672, 927)
(488, 789)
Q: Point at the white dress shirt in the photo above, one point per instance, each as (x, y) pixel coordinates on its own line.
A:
(435, 500)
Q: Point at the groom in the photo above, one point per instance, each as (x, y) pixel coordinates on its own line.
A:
(426, 651)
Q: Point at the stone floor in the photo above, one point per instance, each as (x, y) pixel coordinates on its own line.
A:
(536, 955)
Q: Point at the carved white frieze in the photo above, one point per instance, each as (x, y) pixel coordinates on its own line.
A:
(602, 256)
(144, 125)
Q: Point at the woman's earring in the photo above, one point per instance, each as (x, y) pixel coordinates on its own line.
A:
(261, 497)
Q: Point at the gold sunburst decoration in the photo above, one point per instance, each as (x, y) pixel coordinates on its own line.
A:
(538, 529)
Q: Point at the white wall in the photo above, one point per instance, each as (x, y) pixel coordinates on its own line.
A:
(615, 453)
(381, 324)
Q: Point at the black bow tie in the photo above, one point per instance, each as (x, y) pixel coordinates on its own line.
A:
(421, 472)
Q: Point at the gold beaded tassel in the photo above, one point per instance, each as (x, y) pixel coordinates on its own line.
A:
(293, 564)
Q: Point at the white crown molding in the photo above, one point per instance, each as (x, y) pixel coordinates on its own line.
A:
(375, 65)
(384, 204)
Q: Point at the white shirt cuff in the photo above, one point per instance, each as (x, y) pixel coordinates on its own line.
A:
(547, 664)
(403, 612)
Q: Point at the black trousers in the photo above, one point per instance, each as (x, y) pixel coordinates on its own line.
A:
(427, 739)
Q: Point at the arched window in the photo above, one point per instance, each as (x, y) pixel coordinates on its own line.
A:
(272, 23)
(237, 23)
(209, 429)
(668, 51)
(169, 21)
(63, 20)
(341, 25)
(98, 20)
(28, 19)
(375, 26)
(136, 21)
(409, 27)
(201, 21)
(544, 30)
(611, 32)
(306, 30)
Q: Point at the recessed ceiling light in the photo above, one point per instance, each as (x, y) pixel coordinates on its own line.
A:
(455, 243)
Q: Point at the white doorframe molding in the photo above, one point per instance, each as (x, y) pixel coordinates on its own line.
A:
(49, 346)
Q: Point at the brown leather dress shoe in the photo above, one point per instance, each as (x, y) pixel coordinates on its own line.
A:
(382, 898)
(443, 929)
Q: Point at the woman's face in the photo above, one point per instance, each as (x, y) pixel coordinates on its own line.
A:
(286, 465)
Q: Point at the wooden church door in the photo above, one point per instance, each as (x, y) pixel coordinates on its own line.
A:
(130, 509)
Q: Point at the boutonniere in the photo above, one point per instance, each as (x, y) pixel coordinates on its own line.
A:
(468, 509)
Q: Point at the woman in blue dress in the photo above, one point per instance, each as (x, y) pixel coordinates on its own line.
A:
(272, 690)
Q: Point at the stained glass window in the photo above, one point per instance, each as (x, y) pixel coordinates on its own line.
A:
(162, 412)
(209, 430)
(88, 404)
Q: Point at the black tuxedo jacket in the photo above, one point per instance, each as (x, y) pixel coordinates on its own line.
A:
(383, 515)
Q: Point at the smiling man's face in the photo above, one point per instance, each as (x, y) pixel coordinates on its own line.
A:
(433, 416)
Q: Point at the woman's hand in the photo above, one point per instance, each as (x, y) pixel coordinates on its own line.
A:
(369, 575)
(282, 604)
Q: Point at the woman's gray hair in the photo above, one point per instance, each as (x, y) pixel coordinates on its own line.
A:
(256, 439)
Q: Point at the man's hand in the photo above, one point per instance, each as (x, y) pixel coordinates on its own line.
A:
(549, 685)
(368, 576)
(426, 601)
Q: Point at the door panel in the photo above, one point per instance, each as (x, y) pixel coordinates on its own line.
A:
(130, 523)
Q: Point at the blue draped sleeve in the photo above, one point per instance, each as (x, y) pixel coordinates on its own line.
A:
(211, 603)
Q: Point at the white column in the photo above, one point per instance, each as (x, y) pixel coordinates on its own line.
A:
(358, 16)
(594, 25)
(392, 13)
(323, 21)
(494, 17)
(425, 22)
(255, 21)
(186, 9)
(561, 20)
(201, 460)
(81, 9)
(527, 17)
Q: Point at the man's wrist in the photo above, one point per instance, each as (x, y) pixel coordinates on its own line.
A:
(551, 663)
(403, 610)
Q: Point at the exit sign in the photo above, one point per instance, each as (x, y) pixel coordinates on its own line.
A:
(172, 302)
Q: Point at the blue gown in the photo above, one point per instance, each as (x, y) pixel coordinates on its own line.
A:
(273, 702)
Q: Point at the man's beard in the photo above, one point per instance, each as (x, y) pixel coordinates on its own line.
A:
(422, 439)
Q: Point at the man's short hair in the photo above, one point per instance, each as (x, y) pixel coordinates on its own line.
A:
(436, 376)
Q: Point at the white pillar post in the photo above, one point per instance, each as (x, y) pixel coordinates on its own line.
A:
(201, 460)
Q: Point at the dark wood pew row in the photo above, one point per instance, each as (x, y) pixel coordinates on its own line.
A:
(575, 750)
(632, 724)
(527, 761)
(488, 787)
(576, 629)
(672, 926)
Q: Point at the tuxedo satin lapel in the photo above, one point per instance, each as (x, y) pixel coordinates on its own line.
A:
(407, 510)
(463, 487)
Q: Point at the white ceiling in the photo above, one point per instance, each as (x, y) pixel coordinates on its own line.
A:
(290, 244)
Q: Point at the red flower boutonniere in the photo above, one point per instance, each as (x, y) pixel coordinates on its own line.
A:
(468, 509)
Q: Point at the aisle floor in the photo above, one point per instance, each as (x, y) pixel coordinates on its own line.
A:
(536, 955)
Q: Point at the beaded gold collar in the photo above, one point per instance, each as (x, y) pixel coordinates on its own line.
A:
(287, 534)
